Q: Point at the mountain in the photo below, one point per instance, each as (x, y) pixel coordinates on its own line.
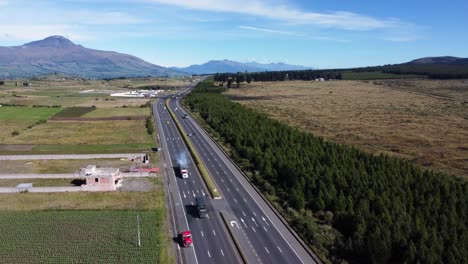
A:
(440, 60)
(215, 66)
(57, 54)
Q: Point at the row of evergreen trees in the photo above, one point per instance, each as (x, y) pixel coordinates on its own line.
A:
(386, 210)
(270, 76)
(432, 71)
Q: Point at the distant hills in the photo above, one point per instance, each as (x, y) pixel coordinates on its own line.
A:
(440, 60)
(57, 54)
(223, 66)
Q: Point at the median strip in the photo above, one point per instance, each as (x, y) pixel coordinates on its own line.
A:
(198, 162)
(236, 242)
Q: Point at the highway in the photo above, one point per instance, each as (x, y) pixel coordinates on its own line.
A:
(211, 240)
(262, 236)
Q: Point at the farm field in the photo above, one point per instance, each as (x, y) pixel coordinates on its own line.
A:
(67, 93)
(58, 166)
(79, 237)
(108, 112)
(83, 132)
(85, 227)
(420, 120)
(27, 113)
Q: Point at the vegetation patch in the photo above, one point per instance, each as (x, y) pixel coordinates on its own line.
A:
(74, 111)
(80, 237)
(112, 112)
(92, 133)
(381, 209)
(11, 113)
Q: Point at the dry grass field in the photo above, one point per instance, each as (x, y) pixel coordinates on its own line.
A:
(421, 120)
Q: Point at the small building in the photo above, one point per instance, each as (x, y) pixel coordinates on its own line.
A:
(101, 179)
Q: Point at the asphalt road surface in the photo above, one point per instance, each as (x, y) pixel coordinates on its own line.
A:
(211, 241)
(264, 238)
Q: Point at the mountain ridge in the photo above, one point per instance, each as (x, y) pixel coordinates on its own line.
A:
(57, 54)
(214, 66)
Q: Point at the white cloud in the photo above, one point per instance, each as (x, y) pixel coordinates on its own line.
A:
(338, 19)
(267, 30)
(106, 18)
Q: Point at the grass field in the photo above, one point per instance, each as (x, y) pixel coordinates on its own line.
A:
(108, 112)
(37, 182)
(97, 133)
(421, 120)
(27, 113)
(58, 166)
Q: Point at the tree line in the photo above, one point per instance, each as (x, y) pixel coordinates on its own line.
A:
(385, 210)
(271, 76)
(432, 71)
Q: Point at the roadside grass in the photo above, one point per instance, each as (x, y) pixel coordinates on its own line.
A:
(74, 111)
(94, 133)
(27, 113)
(58, 166)
(377, 75)
(77, 149)
(109, 112)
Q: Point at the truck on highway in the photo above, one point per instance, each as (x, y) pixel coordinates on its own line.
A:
(183, 171)
(185, 238)
(201, 207)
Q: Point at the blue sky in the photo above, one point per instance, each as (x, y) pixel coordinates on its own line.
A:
(317, 33)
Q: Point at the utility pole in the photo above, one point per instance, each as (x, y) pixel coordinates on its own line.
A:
(138, 224)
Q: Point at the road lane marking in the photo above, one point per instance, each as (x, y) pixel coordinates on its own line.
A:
(265, 221)
(242, 220)
(267, 250)
(202, 234)
(279, 249)
(255, 222)
(254, 229)
(243, 213)
(265, 228)
(222, 253)
(214, 232)
(208, 253)
(235, 200)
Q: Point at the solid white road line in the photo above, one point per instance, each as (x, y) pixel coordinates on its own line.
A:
(267, 250)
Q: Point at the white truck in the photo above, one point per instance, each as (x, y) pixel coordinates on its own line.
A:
(183, 172)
